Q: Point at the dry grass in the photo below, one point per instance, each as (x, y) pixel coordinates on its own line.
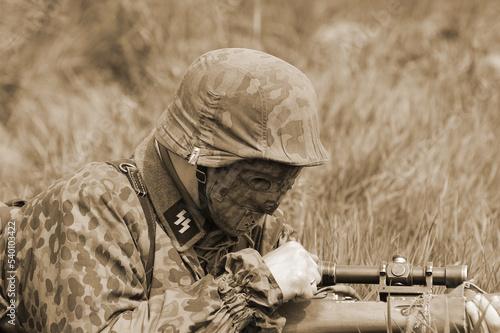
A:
(409, 95)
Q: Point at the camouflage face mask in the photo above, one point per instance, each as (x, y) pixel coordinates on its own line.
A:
(240, 194)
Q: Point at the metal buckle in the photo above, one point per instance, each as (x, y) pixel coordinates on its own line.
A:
(125, 166)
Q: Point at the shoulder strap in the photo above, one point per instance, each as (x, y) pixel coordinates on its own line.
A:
(129, 168)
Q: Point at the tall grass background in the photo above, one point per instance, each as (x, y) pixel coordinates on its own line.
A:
(408, 94)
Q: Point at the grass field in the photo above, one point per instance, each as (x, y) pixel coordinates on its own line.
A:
(408, 94)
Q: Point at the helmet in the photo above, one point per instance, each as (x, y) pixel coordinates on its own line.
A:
(237, 104)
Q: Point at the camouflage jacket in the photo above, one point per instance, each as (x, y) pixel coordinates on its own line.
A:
(80, 249)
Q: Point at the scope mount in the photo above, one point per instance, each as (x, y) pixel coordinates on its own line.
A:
(396, 279)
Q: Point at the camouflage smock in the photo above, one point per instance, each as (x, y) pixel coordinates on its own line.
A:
(80, 252)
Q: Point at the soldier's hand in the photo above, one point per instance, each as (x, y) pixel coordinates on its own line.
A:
(295, 270)
(483, 311)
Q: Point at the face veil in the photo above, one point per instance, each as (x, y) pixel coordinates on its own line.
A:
(240, 194)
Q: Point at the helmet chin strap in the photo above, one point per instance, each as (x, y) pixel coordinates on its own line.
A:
(201, 176)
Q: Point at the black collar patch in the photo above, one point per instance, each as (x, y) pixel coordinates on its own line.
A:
(181, 226)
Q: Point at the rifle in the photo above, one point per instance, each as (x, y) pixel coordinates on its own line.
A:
(405, 300)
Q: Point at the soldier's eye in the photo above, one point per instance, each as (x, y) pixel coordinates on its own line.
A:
(260, 184)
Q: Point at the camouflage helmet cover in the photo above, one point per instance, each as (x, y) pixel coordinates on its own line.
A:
(235, 104)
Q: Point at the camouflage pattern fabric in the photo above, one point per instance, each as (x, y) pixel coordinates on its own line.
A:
(235, 104)
(80, 251)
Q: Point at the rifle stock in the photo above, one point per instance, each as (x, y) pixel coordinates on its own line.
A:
(446, 314)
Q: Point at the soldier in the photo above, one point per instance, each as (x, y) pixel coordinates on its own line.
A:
(186, 236)
(182, 238)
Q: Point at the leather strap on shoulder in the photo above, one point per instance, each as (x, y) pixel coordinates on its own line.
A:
(129, 168)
